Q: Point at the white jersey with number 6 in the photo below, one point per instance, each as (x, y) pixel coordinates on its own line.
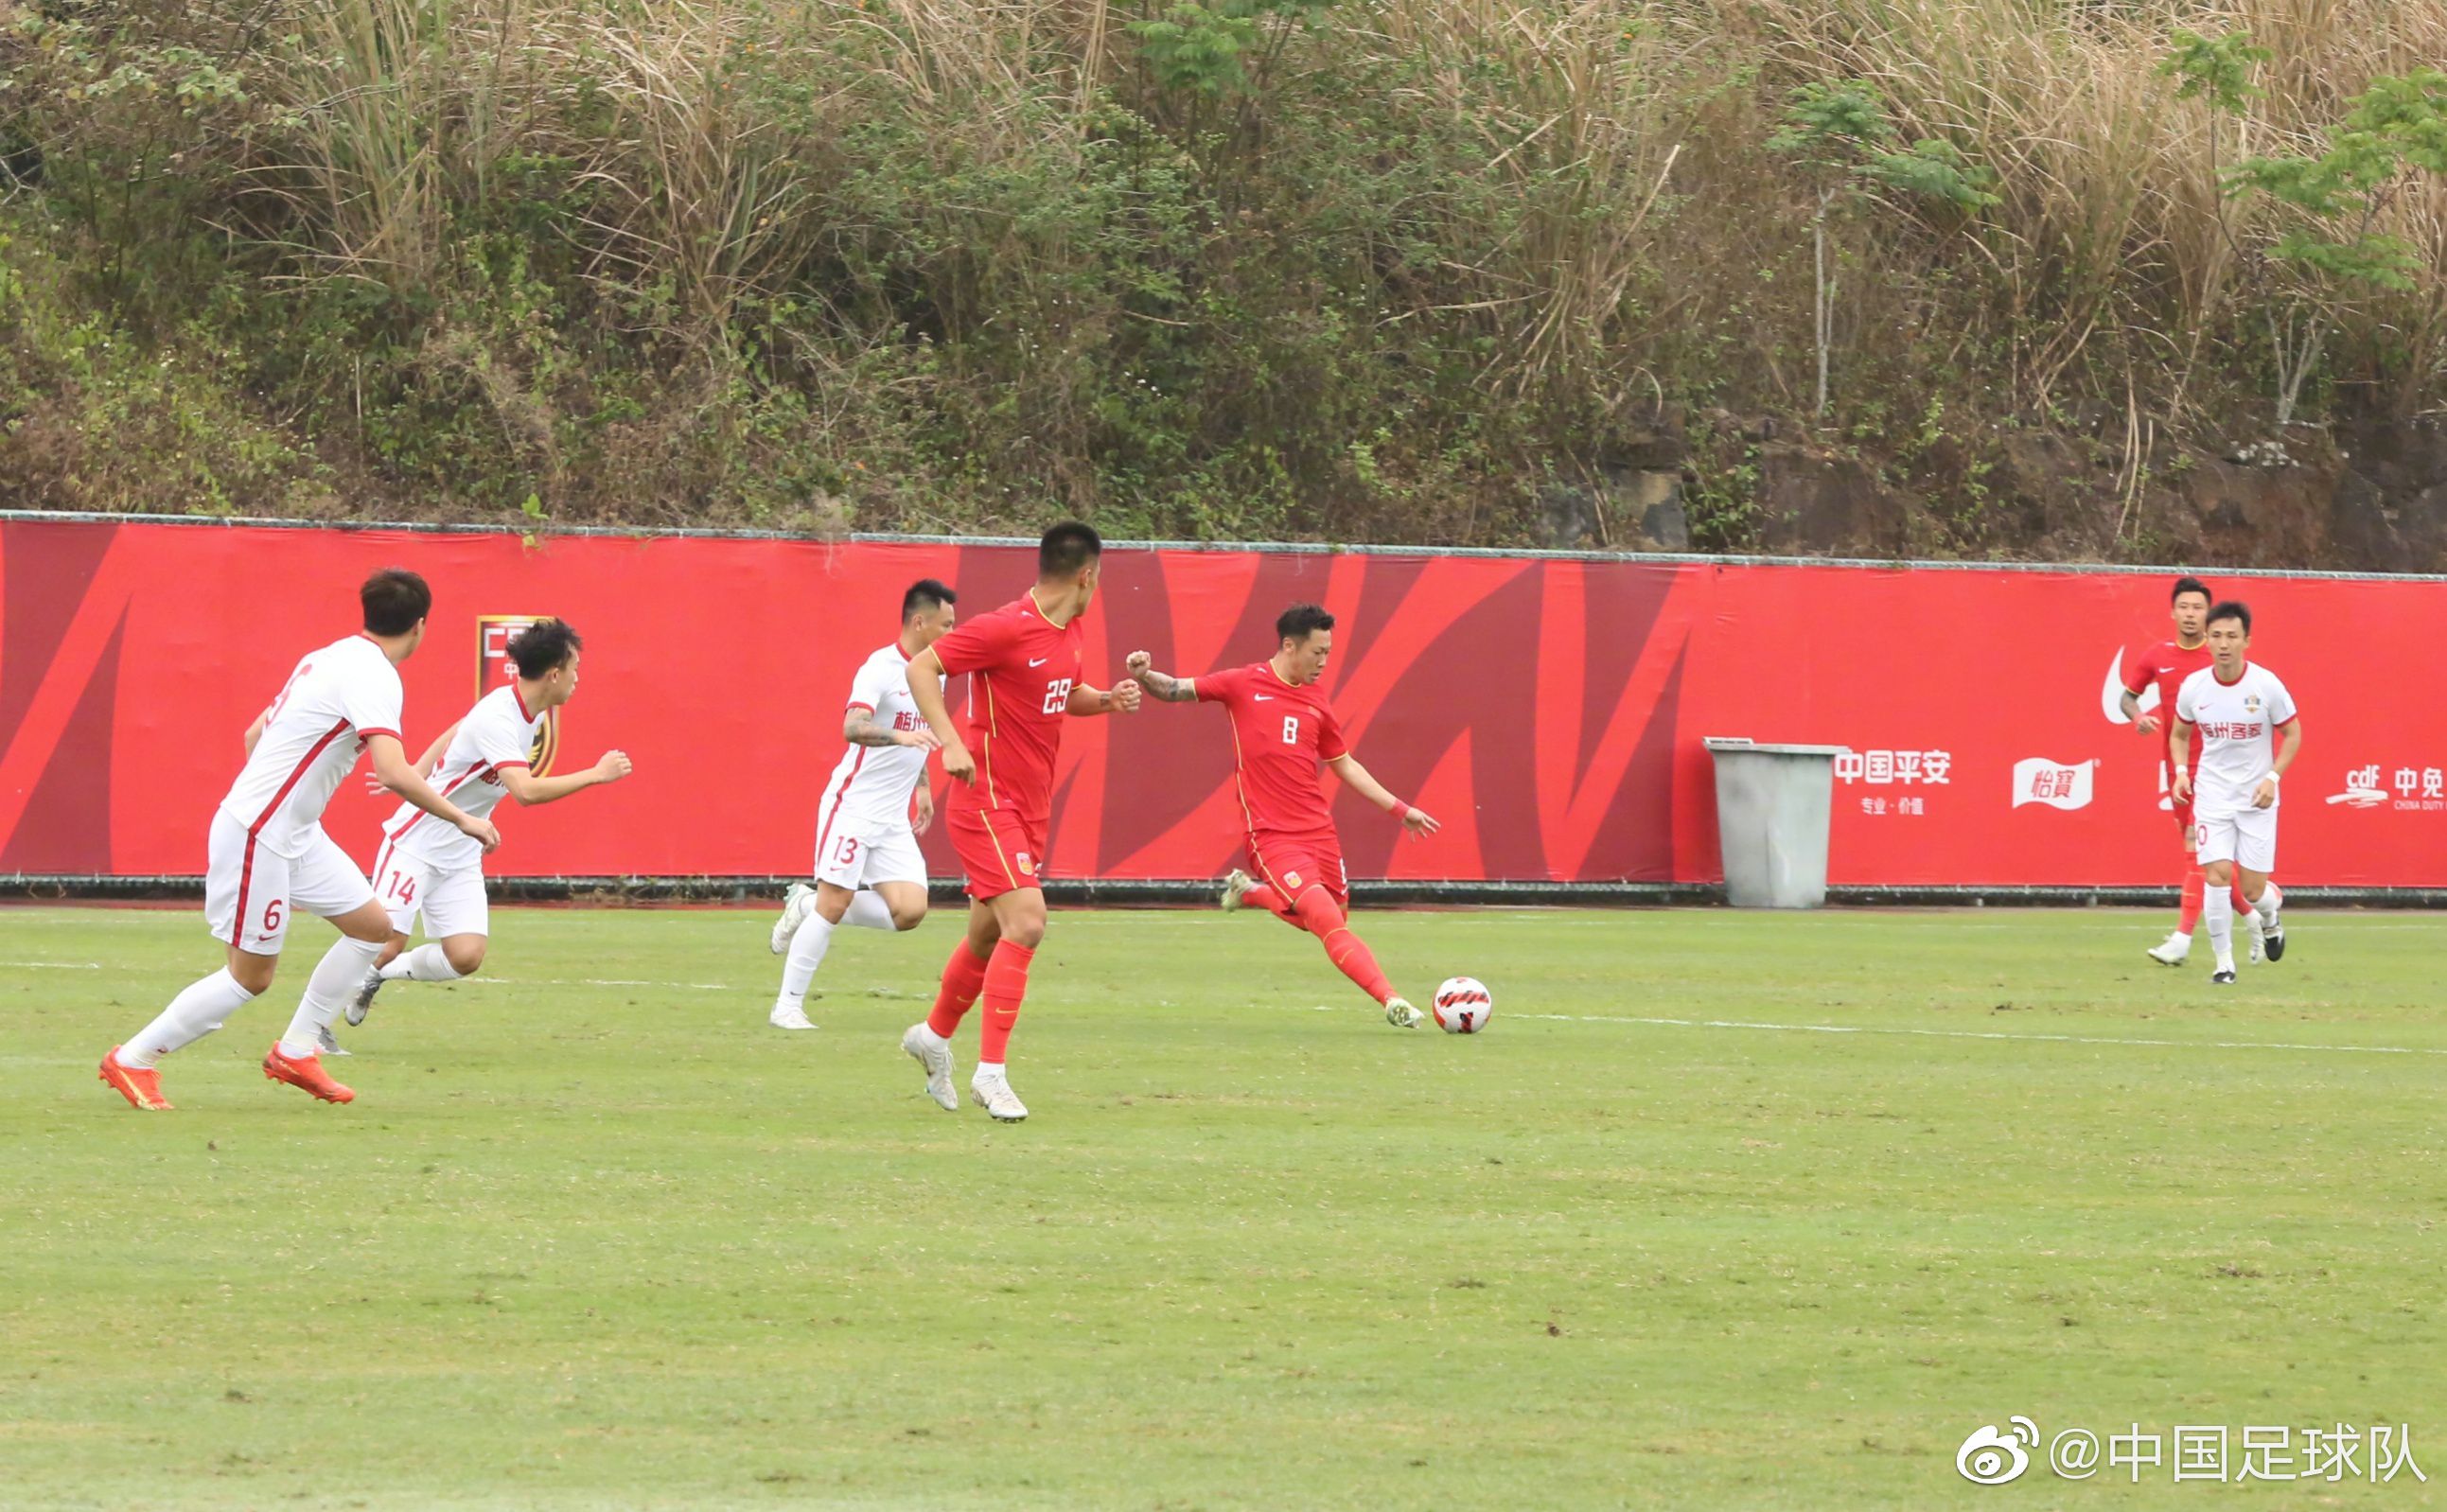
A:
(338, 698)
(499, 732)
(2235, 725)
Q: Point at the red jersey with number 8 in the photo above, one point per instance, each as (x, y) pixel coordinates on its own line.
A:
(1021, 668)
(1280, 732)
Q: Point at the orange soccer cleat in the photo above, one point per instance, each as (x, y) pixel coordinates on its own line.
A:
(140, 1088)
(305, 1074)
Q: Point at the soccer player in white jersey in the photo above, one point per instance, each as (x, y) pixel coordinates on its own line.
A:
(268, 852)
(869, 872)
(2250, 733)
(433, 870)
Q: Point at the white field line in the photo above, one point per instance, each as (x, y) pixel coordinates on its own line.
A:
(1986, 1035)
(52, 966)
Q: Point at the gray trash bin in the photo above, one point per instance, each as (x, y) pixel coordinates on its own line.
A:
(1774, 804)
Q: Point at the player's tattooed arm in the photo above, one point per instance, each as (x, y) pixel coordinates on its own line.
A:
(1123, 698)
(1162, 687)
(2130, 704)
(860, 729)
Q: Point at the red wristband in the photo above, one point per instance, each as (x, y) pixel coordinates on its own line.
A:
(1401, 809)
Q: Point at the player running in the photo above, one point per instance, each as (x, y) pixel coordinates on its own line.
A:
(430, 870)
(2248, 735)
(1024, 664)
(2167, 665)
(267, 852)
(1282, 726)
(869, 872)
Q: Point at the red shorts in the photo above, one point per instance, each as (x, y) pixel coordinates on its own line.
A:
(1290, 864)
(999, 852)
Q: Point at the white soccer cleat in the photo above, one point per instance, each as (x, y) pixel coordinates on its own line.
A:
(993, 1093)
(796, 906)
(789, 1015)
(326, 1043)
(362, 1002)
(1236, 886)
(1399, 1013)
(934, 1052)
(2173, 950)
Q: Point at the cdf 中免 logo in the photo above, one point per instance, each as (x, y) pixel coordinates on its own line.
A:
(494, 669)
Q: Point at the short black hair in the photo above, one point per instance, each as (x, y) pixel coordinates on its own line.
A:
(394, 600)
(925, 593)
(2232, 609)
(1068, 547)
(545, 645)
(2191, 585)
(1296, 623)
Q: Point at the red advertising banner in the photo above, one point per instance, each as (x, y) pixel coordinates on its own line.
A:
(1550, 712)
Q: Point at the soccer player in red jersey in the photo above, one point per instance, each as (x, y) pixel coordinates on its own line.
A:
(2167, 665)
(1023, 662)
(1282, 726)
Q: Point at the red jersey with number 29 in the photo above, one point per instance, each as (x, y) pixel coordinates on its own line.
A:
(1280, 732)
(1021, 668)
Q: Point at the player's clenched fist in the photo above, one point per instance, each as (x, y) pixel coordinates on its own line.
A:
(613, 766)
(481, 832)
(1126, 695)
(1137, 664)
(958, 765)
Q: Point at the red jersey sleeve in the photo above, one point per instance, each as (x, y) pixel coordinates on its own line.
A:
(1330, 745)
(2141, 671)
(984, 641)
(1220, 688)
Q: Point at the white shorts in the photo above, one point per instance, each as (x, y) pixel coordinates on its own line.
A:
(861, 853)
(450, 898)
(2246, 837)
(249, 890)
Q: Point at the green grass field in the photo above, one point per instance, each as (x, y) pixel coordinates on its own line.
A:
(592, 1235)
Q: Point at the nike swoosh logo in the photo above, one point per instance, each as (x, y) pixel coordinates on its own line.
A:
(1039, 661)
(1262, 698)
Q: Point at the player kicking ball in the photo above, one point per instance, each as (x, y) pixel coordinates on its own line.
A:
(2250, 734)
(869, 872)
(2167, 665)
(1023, 662)
(1283, 727)
(267, 852)
(428, 870)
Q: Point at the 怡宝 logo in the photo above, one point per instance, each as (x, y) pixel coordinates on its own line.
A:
(2058, 785)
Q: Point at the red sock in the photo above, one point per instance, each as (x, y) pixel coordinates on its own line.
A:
(2242, 904)
(1266, 897)
(2196, 888)
(1006, 984)
(964, 976)
(1348, 951)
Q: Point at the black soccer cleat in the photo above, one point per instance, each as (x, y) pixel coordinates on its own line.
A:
(2221, 979)
(2274, 941)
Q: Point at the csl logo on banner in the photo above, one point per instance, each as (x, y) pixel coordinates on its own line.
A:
(494, 669)
(2058, 785)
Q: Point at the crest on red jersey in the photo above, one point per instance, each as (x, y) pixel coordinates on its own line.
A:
(494, 669)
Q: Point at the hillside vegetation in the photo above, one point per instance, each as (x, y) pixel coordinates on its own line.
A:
(1391, 269)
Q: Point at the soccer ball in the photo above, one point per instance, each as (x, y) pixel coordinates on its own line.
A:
(1463, 1006)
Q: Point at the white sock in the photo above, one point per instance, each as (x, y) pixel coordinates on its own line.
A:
(335, 976)
(2218, 909)
(807, 953)
(424, 964)
(2270, 901)
(989, 1070)
(192, 1014)
(867, 910)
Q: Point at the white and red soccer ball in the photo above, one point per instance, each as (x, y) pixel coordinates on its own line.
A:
(1463, 1006)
